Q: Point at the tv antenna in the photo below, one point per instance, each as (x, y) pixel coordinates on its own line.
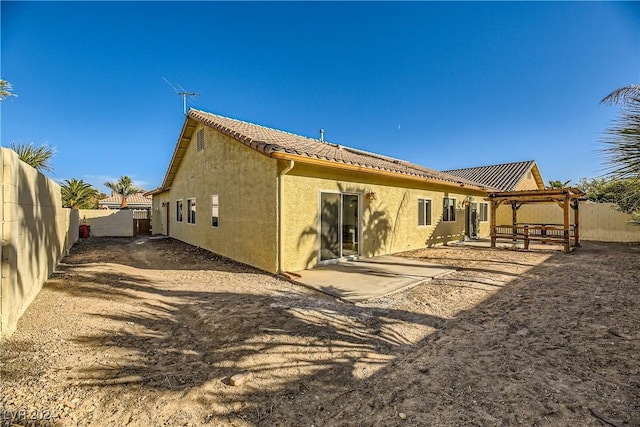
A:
(183, 93)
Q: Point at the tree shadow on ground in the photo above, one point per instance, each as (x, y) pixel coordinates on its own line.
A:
(177, 340)
(539, 349)
(557, 346)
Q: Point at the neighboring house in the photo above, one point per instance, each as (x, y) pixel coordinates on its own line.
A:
(284, 202)
(505, 177)
(135, 201)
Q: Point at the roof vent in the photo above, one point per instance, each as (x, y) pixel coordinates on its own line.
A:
(321, 135)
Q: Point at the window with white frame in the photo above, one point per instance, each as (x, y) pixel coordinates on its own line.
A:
(449, 210)
(484, 212)
(178, 210)
(214, 211)
(424, 212)
(191, 211)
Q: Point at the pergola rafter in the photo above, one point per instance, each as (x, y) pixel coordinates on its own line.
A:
(567, 198)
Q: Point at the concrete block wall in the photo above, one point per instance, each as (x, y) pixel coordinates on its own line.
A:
(598, 221)
(36, 233)
(108, 222)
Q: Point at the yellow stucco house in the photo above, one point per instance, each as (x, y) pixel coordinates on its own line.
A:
(285, 202)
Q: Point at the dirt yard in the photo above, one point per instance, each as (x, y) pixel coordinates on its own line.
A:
(143, 332)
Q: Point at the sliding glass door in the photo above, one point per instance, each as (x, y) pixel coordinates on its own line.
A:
(339, 226)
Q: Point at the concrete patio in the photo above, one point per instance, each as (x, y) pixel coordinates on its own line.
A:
(364, 279)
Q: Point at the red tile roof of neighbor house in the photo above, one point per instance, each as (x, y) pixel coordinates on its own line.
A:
(269, 141)
(136, 199)
(504, 177)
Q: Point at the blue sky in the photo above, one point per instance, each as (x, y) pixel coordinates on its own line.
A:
(444, 85)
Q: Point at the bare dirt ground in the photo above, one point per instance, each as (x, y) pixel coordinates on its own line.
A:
(143, 332)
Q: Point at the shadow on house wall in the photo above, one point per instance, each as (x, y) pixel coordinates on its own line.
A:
(445, 232)
(371, 240)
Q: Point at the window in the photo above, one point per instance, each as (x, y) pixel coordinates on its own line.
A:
(200, 140)
(484, 212)
(214, 211)
(424, 212)
(191, 211)
(179, 210)
(449, 210)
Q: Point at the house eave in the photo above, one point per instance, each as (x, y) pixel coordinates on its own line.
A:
(184, 139)
(458, 186)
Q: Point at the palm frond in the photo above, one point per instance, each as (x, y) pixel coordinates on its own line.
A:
(5, 90)
(621, 149)
(78, 194)
(124, 187)
(37, 157)
(623, 95)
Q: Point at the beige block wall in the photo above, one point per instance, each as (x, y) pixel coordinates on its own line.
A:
(598, 221)
(108, 222)
(36, 233)
(245, 182)
(389, 223)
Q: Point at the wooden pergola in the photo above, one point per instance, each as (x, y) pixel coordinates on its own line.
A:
(567, 198)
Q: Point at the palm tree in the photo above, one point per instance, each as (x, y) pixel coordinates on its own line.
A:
(622, 152)
(77, 194)
(5, 90)
(558, 184)
(36, 157)
(125, 188)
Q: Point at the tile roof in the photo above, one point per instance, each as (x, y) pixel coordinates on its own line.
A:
(504, 177)
(136, 199)
(268, 141)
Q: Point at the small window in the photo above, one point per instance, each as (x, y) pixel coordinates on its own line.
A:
(179, 210)
(424, 212)
(200, 140)
(191, 211)
(449, 210)
(214, 211)
(484, 212)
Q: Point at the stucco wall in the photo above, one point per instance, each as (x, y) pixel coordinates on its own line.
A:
(108, 222)
(528, 182)
(245, 182)
(389, 222)
(36, 233)
(159, 213)
(598, 221)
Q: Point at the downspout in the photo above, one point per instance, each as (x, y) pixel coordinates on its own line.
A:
(280, 222)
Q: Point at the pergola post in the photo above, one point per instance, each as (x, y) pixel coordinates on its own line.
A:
(494, 206)
(576, 223)
(514, 217)
(566, 225)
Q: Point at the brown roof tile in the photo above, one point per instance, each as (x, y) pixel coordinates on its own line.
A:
(139, 198)
(268, 140)
(504, 177)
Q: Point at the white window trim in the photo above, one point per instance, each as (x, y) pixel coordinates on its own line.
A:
(181, 210)
(480, 211)
(218, 206)
(455, 214)
(430, 216)
(189, 212)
